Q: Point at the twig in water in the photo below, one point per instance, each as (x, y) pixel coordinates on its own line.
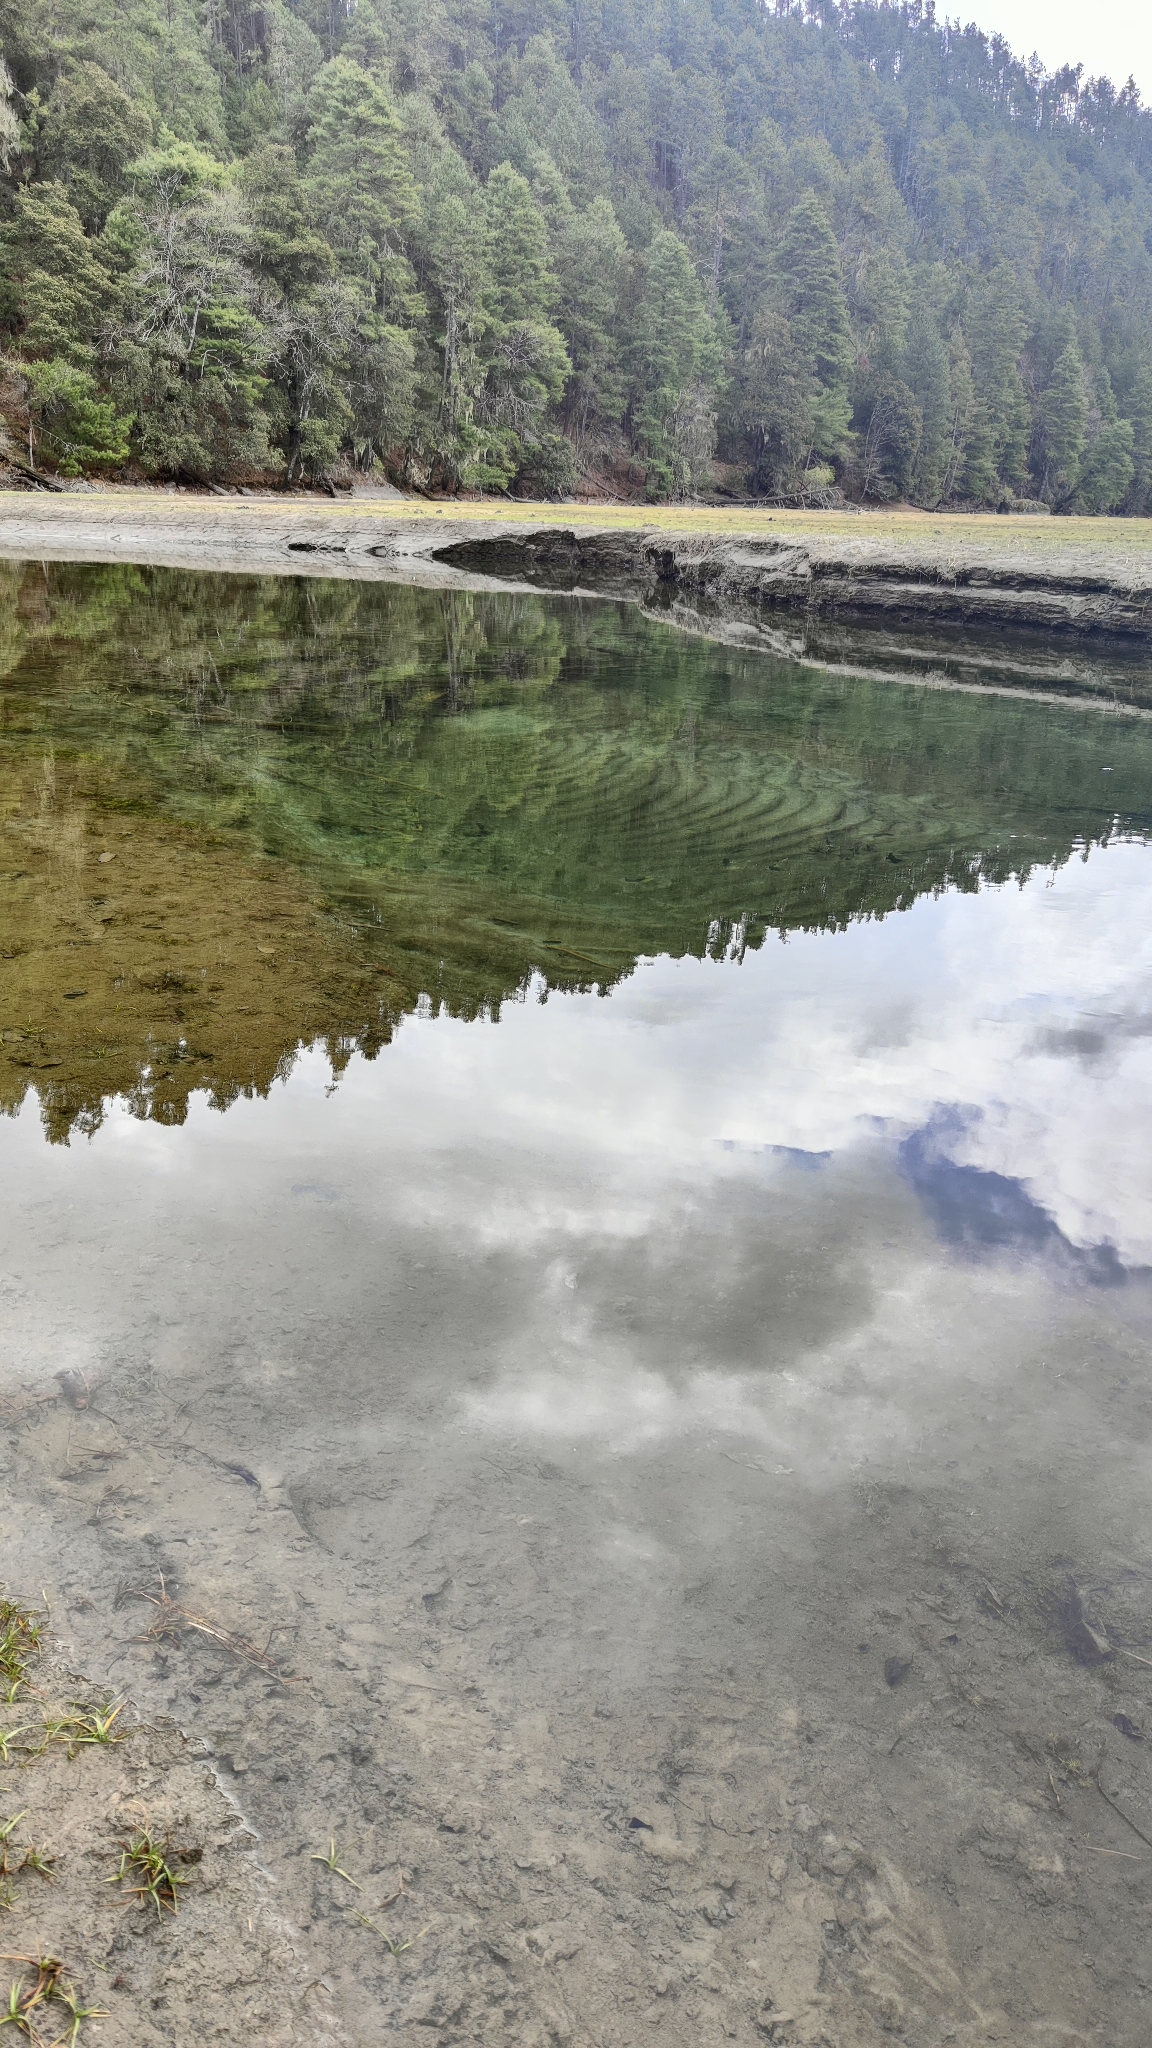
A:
(171, 1618)
(1109, 1801)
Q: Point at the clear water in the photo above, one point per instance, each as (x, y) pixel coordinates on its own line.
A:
(649, 1184)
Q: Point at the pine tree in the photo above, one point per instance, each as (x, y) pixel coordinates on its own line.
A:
(522, 282)
(358, 182)
(92, 130)
(769, 407)
(70, 419)
(1138, 411)
(57, 286)
(891, 428)
(995, 328)
(1107, 468)
(968, 467)
(675, 369)
(1063, 414)
(453, 268)
(925, 372)
(312, 319)
(424, 241)
(286, 248)
(590, 264)
(811, 293)
(188, 355)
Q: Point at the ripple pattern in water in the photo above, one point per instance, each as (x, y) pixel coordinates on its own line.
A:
(244, 814)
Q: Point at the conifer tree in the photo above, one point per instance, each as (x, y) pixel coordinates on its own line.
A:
(810, 294)
(189, 351)
(91, 131)
(591, 263)
(71, 421)
(1138, 411)
(995, 328)
(1106, 469)
(675, 357)
(287, 249)
(1063, 412)
(477, 236)
(522, 282)
(358, 181)
(925, 372)
(769, 406)
(453, 268)
(57, 286)
(968, 467)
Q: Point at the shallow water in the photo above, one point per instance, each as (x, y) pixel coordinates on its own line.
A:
(639, 1218)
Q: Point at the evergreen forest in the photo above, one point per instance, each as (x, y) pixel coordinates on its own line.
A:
(667, 248)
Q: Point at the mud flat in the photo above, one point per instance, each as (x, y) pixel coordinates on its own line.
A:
(1064, 605)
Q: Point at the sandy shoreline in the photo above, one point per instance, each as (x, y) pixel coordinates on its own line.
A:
(1062, 606)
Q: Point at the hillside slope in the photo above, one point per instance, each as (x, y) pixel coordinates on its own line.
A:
(642, 249)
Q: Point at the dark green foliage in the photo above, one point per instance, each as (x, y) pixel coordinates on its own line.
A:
(521, 281)
(811, 292)
(770, 409)
(1063, 422)
(926, 376)
(676, 360)
(90, 132)
(57, 284)
(860, 251)
(190, 352)
(891, 429)
(70, 422)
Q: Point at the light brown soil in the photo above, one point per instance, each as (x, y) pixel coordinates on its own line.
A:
(223, 1967)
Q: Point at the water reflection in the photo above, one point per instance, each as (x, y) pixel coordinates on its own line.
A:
(242, 815)
(639, 1359)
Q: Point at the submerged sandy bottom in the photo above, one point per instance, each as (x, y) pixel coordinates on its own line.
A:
(693, 1442)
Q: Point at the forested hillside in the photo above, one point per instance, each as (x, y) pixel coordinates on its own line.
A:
(646, 246)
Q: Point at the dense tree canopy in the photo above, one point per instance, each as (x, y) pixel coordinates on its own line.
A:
(662, 246)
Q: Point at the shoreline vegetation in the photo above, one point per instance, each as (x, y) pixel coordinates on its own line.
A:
(710, 248)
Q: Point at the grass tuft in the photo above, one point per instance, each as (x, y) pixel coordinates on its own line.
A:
(83, 1727)
(31, 2001)
(21, 1638)
(145, 1860)
(332, 1862)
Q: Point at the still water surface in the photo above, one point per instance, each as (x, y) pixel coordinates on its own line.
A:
(642, 1152)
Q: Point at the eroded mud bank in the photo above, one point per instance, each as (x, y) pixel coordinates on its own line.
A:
(978, 604)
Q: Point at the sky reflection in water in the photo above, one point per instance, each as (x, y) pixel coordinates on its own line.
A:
(985, 1058)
